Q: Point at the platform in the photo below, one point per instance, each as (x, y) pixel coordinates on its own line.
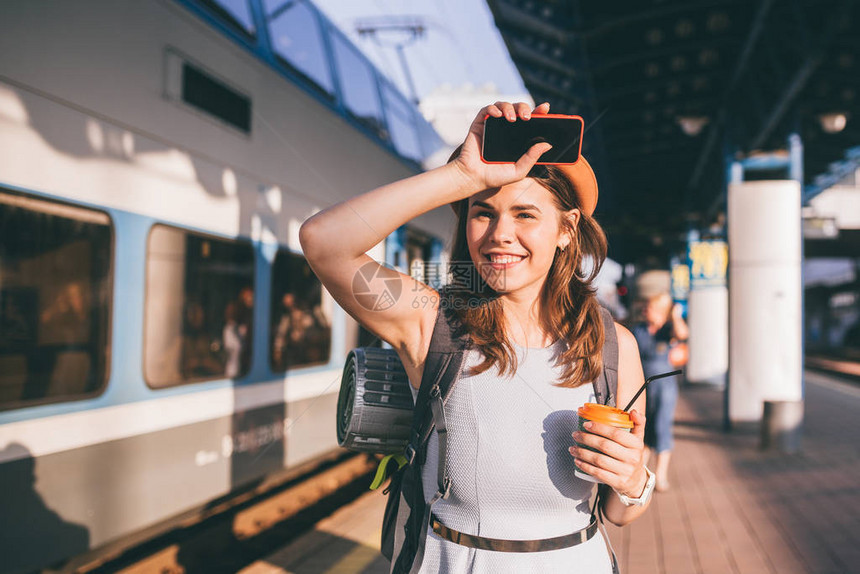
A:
(732, 508)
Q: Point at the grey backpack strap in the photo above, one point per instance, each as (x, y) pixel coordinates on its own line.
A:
(606, 392)
(606, 385)
(448, 346)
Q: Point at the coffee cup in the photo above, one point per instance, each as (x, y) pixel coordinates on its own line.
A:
(600, 414)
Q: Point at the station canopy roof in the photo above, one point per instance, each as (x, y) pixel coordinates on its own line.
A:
(670, 88)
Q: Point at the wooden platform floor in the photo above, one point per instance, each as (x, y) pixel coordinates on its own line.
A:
(732, 508)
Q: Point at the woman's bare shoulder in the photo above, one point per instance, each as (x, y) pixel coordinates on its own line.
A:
(626, 340)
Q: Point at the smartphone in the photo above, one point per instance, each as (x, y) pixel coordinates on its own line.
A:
(506, 142)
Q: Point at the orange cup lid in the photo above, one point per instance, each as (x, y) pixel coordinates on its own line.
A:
(606, 415)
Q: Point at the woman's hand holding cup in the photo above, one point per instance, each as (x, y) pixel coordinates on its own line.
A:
(618, 456)
(482, 175)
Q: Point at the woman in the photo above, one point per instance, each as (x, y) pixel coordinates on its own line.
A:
(663, 326)
(524, 230)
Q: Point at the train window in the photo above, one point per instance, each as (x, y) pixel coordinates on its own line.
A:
(301, 322)
(236, 13)
(206, 93)
(401, 123)
(358, 85)
(55, 292)
(297, 39)
(199, 307)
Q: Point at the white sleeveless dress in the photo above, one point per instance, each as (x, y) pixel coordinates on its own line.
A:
(512, 475)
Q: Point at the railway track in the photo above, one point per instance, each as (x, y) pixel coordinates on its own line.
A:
(235, 533)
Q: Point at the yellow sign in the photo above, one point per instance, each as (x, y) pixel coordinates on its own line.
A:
(709, 261)
(680, 282)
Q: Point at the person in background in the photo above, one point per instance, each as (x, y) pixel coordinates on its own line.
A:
(289, 333)
(235, 337)
(662, 327)
(198, 359)
(245, 320)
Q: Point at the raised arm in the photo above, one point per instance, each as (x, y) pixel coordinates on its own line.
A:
(679, 327)
(335, 240)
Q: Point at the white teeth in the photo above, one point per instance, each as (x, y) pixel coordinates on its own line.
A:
(505, 258)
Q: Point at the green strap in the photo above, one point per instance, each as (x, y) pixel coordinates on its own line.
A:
(382, 470)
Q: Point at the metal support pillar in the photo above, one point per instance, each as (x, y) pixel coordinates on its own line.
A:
(765, 290)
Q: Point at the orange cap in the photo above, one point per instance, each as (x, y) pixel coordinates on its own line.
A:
(606, 415)
(584, 183)
(582, 178)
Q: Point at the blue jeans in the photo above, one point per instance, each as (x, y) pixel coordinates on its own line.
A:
(662, 395)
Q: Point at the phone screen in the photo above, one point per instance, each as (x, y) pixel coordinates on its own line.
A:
(506, 141)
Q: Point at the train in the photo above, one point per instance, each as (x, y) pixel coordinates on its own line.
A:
(832, 322)
(163, 343)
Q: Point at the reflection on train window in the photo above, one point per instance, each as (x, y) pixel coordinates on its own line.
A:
(236, 13)
(296, 37)
(401, 123)
(55, 291)
(199, 307)
(358, 85)
(301, 325)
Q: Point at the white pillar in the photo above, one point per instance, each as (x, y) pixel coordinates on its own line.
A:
(708, 312)
(765, 296)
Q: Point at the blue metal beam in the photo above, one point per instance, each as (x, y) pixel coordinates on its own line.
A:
(644, 13)
(801, 77)
(740, 68)
(838, 171)
(599, 134)
(800, 21)
(516, 17)
(522, 51)
(797, 84)
(544, 85)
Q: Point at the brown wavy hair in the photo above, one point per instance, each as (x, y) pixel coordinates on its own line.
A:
(570, 309)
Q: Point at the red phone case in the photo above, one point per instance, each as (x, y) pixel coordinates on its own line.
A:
(578, 154)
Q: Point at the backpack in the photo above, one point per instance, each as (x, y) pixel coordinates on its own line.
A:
(407, 515)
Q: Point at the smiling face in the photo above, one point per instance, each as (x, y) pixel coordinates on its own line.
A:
(512, 234)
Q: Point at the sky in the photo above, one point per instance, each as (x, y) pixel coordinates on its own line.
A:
(460, 44)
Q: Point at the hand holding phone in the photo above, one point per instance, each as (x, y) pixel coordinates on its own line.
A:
(473, 171)
(505, 141)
